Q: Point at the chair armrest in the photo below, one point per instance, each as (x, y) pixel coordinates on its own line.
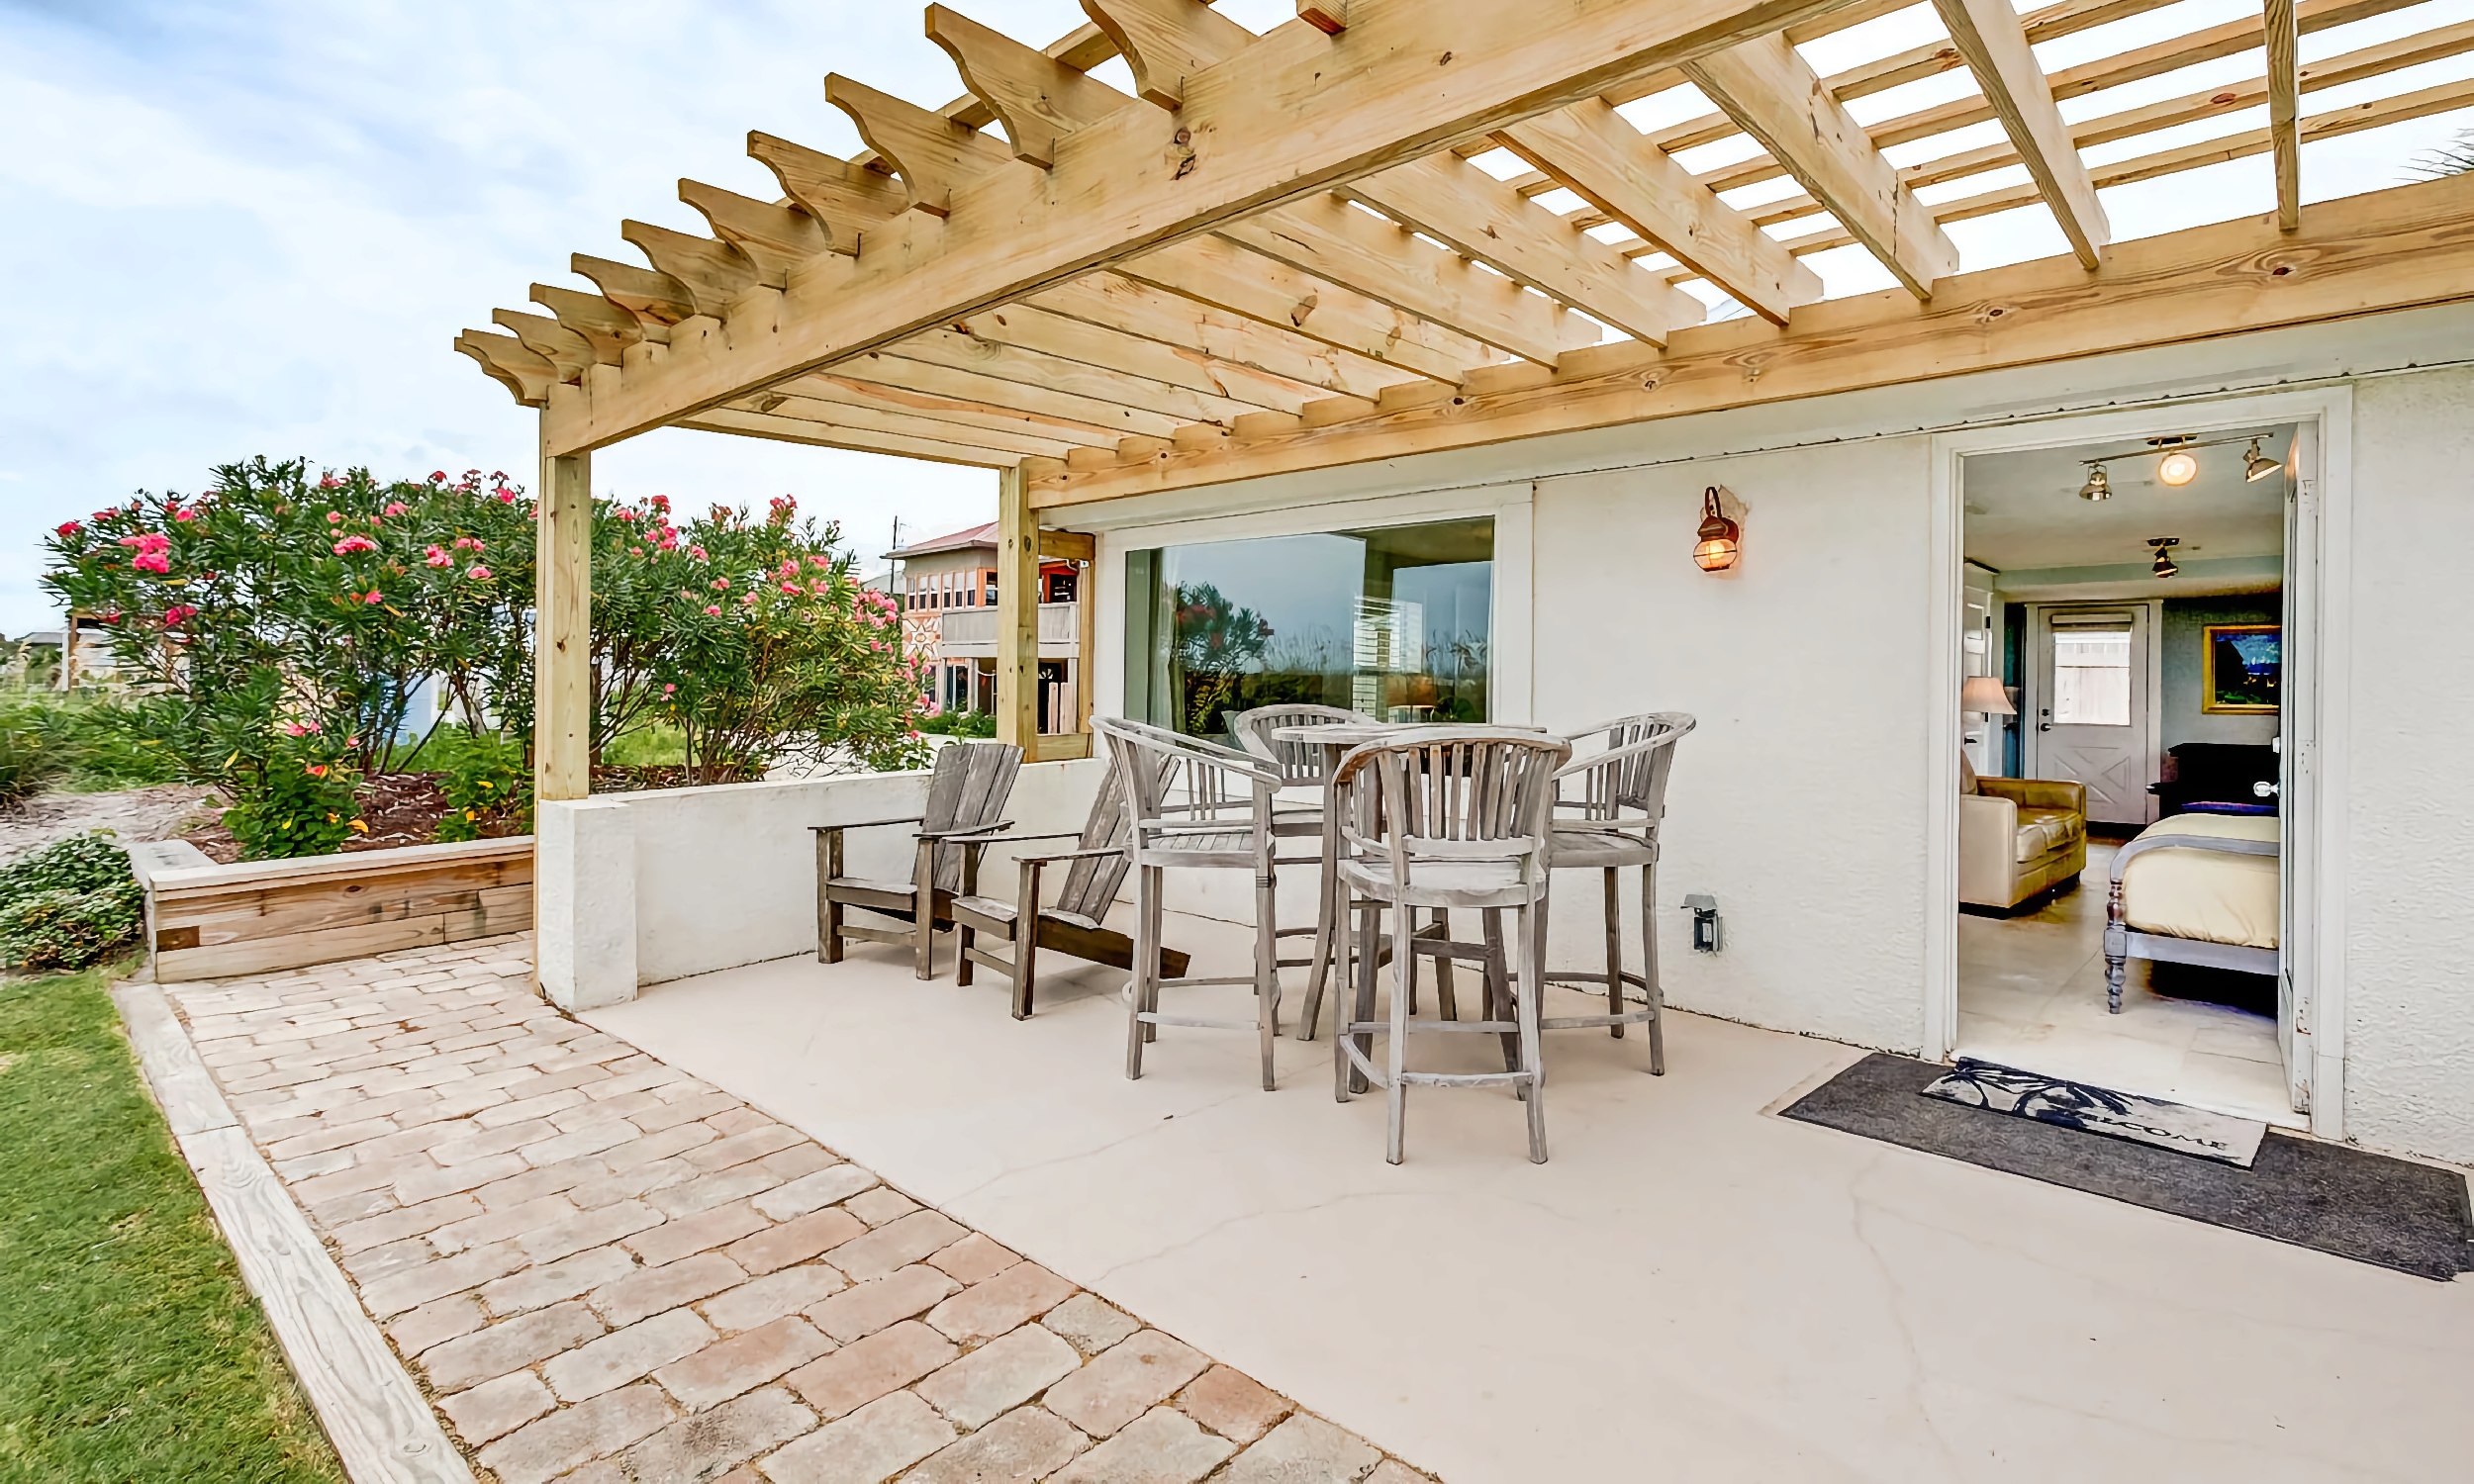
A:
(866, 824)
(993, 837)
(967, 833)
(1988, 849)
(1071, 855)
(2037, 793)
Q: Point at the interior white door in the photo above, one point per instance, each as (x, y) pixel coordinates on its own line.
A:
(2092, 707)
(2296, 700)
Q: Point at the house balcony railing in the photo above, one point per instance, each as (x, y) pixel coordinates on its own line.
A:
(971, 633)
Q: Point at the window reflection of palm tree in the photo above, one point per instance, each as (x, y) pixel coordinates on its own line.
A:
(1217, 642)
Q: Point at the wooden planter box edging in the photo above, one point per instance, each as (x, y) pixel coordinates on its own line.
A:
(207, 921)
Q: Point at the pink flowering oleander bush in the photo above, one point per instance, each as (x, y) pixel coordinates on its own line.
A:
(277, 607)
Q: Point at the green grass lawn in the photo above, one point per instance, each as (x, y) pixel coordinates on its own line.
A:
(129, 1347)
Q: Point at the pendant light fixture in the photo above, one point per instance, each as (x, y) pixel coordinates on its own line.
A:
(2098, 487)
(1721, 541)
(2257, 466)
(2164, 545)
(2179, 466)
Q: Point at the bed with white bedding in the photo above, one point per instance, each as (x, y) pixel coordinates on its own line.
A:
(2195, 888)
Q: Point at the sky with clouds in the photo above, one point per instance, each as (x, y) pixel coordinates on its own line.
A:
(255, 227)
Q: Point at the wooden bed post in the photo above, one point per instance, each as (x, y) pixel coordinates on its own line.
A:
(1017, 614)
(562, 635)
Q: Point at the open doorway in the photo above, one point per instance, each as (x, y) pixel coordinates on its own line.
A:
(2123, 680)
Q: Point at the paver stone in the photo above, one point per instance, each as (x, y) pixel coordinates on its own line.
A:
(871, 1445)
(1161, 1447)
(1124, 1382)
(1000, 1374)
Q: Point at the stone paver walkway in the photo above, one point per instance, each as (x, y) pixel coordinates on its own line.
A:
(603, 1269)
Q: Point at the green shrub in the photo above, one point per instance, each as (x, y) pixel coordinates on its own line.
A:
(71, 903)
(306, 807)
(975, 724)
(485, 780)
(33, 750)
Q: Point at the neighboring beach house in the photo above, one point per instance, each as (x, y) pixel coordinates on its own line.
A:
(947, 588)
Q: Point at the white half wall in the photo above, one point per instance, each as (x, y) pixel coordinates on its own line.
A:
(647, 887)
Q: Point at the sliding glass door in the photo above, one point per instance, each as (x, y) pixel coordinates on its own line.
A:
(1394, 622)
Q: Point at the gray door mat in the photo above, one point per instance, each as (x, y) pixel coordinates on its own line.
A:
(2346, 1202)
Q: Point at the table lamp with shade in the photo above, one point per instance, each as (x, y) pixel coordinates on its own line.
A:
(1983, 695)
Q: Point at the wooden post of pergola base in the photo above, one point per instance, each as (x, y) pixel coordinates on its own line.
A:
(562, 630)
(1017, 614)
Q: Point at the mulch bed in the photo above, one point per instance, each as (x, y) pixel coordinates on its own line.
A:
(404, 808)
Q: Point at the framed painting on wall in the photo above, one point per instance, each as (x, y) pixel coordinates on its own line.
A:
(2243, 670)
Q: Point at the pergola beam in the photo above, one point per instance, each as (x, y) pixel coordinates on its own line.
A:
(1217, 273)
(1589, 149)
(2284, 40)
(1768, 88)
(789, 430)
(1988, 34)
(2402, 247)
(1192, 327)
(1294, 114)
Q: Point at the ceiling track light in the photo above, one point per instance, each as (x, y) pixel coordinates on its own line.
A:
(2098, 487)
(2178, 466)
(2257, 466)
(2164, 564)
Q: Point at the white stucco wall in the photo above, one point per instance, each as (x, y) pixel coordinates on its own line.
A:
(1799, 801)
(699, 879)
(2409, 929)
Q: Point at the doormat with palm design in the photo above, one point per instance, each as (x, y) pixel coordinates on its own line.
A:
(2347, 1202)
(2100, 1110)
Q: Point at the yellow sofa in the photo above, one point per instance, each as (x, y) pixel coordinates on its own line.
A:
(2018, 836)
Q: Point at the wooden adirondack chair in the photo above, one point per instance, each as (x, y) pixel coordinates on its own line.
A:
(966, 797)
(1076, 924)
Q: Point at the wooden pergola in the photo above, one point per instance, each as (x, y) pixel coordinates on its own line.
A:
(1281, 256)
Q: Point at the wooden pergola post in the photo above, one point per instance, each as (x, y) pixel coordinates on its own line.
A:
(562, 630)
(1017, 614)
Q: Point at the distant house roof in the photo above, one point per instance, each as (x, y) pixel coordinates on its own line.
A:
(961, 540)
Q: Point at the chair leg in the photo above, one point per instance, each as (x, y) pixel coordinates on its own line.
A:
(1533, 979)
(1330, 931)
(1266, 968)
(1403, 981)
(1025, 962)
(923, 912)
(1614, 954)
(1368, 961)
(1499, 987)
(1650, 987)
(1445, 999)
(963, 939)
(1342, 1002)
(1146, 962)
(1158, 932)
(829, 939)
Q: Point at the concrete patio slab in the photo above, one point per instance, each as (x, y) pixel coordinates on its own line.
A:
(1691, 1287)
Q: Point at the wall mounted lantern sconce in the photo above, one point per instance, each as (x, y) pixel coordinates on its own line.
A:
(2164, 545)
(1721, 539)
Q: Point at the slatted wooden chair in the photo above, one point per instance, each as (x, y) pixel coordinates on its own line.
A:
(1443, 818)
(1076, 924)
(966, 797)
(1302, 767)
(1197, 805)
(1609, 805)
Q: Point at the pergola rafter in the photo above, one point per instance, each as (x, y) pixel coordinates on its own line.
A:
(1288, 240)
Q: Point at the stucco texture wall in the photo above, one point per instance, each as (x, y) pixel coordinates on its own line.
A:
(2410, 872)
(1799, 802)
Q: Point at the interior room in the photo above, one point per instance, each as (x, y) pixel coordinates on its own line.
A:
(2122, 668)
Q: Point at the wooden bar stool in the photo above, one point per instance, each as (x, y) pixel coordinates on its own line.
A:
(1607, 810)
(1443, 817)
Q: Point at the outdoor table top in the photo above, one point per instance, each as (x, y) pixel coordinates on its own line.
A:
(1357, 733)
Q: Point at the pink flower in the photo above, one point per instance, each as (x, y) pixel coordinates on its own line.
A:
(818, 587)
(296, 729)
(661, 503)
(330, 482)
(669, 690)
(374, 597)
(315, 770)
(817, 561)
(697, 552)
(792, 589)
(479, 574)
(669, 540)
(623, 514)
(720, 584)
(350, 544)
(184, 514)
(749, 601)
(467, 543)
(105, 514)
(436, 557)
(636, 551)
(69, 528)
(505, 496)
(151, 561)
(437, 476)
(711, 611)
(179, 614)
(399, 507)
(335, 517)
